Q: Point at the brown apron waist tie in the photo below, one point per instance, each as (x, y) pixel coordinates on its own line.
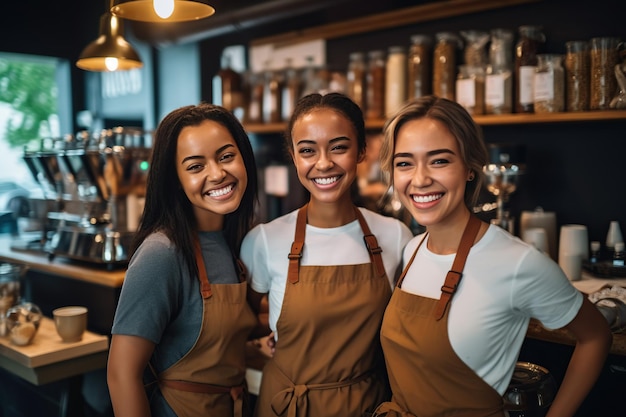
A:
(200, 388)
(287, 398)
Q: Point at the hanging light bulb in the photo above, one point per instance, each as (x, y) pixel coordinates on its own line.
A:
(110, 51)
(162, 10)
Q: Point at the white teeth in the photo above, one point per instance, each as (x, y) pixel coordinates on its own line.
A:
(221, 191)
(325, 181)
(426, 199)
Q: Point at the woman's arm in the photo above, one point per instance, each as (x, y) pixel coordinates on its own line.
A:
(128, 358)
(593, 341)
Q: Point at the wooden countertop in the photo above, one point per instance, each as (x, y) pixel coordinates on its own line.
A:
(60, 266)
(49, 359)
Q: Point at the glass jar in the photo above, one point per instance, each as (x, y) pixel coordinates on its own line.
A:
(395, 80)
(256, 83)
(531, 38)
(475, 54)
(419, 66)
(577, 75)
(355, 78)
(470, 89)
(272, 97)
(499, 73)
(375, 96)
(444, 64)
(604, 58)
(9, 291)
(549, 84)
(291, 88)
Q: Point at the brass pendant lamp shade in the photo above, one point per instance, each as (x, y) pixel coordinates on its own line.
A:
(110, 52)
(162, 10)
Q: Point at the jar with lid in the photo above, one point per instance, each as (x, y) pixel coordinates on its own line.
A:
(577, 75)
(531, 39)
(355, 79)
(604, 58)
(290, 90)
(470, 88)
(444, 64)
(375, 77)
(395, 80)
(419, 66)
(475, 42)
(549, 84)
(499, 73)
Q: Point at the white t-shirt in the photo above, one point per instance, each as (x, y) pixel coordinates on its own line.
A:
(264, 251)
(505, 282)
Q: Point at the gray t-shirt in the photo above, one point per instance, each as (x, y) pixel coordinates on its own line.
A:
(160, 302)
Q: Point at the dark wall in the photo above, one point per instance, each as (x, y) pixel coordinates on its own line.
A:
(577, 170)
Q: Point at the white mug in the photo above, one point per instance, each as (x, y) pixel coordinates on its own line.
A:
(571, 264)
(544, 219)
(574, 240)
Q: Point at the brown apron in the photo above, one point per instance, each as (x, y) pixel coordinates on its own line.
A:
(210, 379)
(328, 358)
(427, 377)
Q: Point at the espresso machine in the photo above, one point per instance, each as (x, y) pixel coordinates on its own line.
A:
(506, 165)
(95, 188)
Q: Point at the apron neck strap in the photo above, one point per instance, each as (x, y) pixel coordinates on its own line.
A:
(455, 274)
(371, 244)
(296, 247)
(205, 286)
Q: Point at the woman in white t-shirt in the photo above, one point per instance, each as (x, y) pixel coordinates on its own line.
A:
(455, 324)
(328, 270)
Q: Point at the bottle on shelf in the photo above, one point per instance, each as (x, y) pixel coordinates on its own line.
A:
(395, 80)
(227, 86)
(291, 90)
(595, 247)
(256, 82)
(577, 75)
(375, 79)
(604, 58)
(618, 255)
(499, 73)
(419, 66)
(355, 77)
(272, 96)
(531, 38)
(470, 88)
(445, 64)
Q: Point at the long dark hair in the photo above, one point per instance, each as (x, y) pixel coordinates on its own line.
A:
(167, 208)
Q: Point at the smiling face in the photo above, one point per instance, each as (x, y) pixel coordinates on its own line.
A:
(211, 172)
(325, 154)
(429, 173)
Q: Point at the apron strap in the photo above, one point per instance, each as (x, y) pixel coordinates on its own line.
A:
(371, 244)
(454, 275)
(205, 286)
(296, 247)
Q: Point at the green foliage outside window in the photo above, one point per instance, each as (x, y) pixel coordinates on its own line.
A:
(31, 89)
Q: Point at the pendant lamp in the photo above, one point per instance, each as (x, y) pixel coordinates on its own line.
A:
(162, 10)
(110, 51)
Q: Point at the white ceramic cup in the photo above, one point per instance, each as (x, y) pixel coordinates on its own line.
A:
(70, 322)
(574, 240)
(571, 264)
(538, 237)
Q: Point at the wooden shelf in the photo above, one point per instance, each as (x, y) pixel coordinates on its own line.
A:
(491, 120)
(396, 18)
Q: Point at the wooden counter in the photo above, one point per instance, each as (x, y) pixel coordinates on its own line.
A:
(48, 359)
(61, 266)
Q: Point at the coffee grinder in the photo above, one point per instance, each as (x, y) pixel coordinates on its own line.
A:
(506, 165)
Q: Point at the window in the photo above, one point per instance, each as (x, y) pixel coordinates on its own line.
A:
(35, 103)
